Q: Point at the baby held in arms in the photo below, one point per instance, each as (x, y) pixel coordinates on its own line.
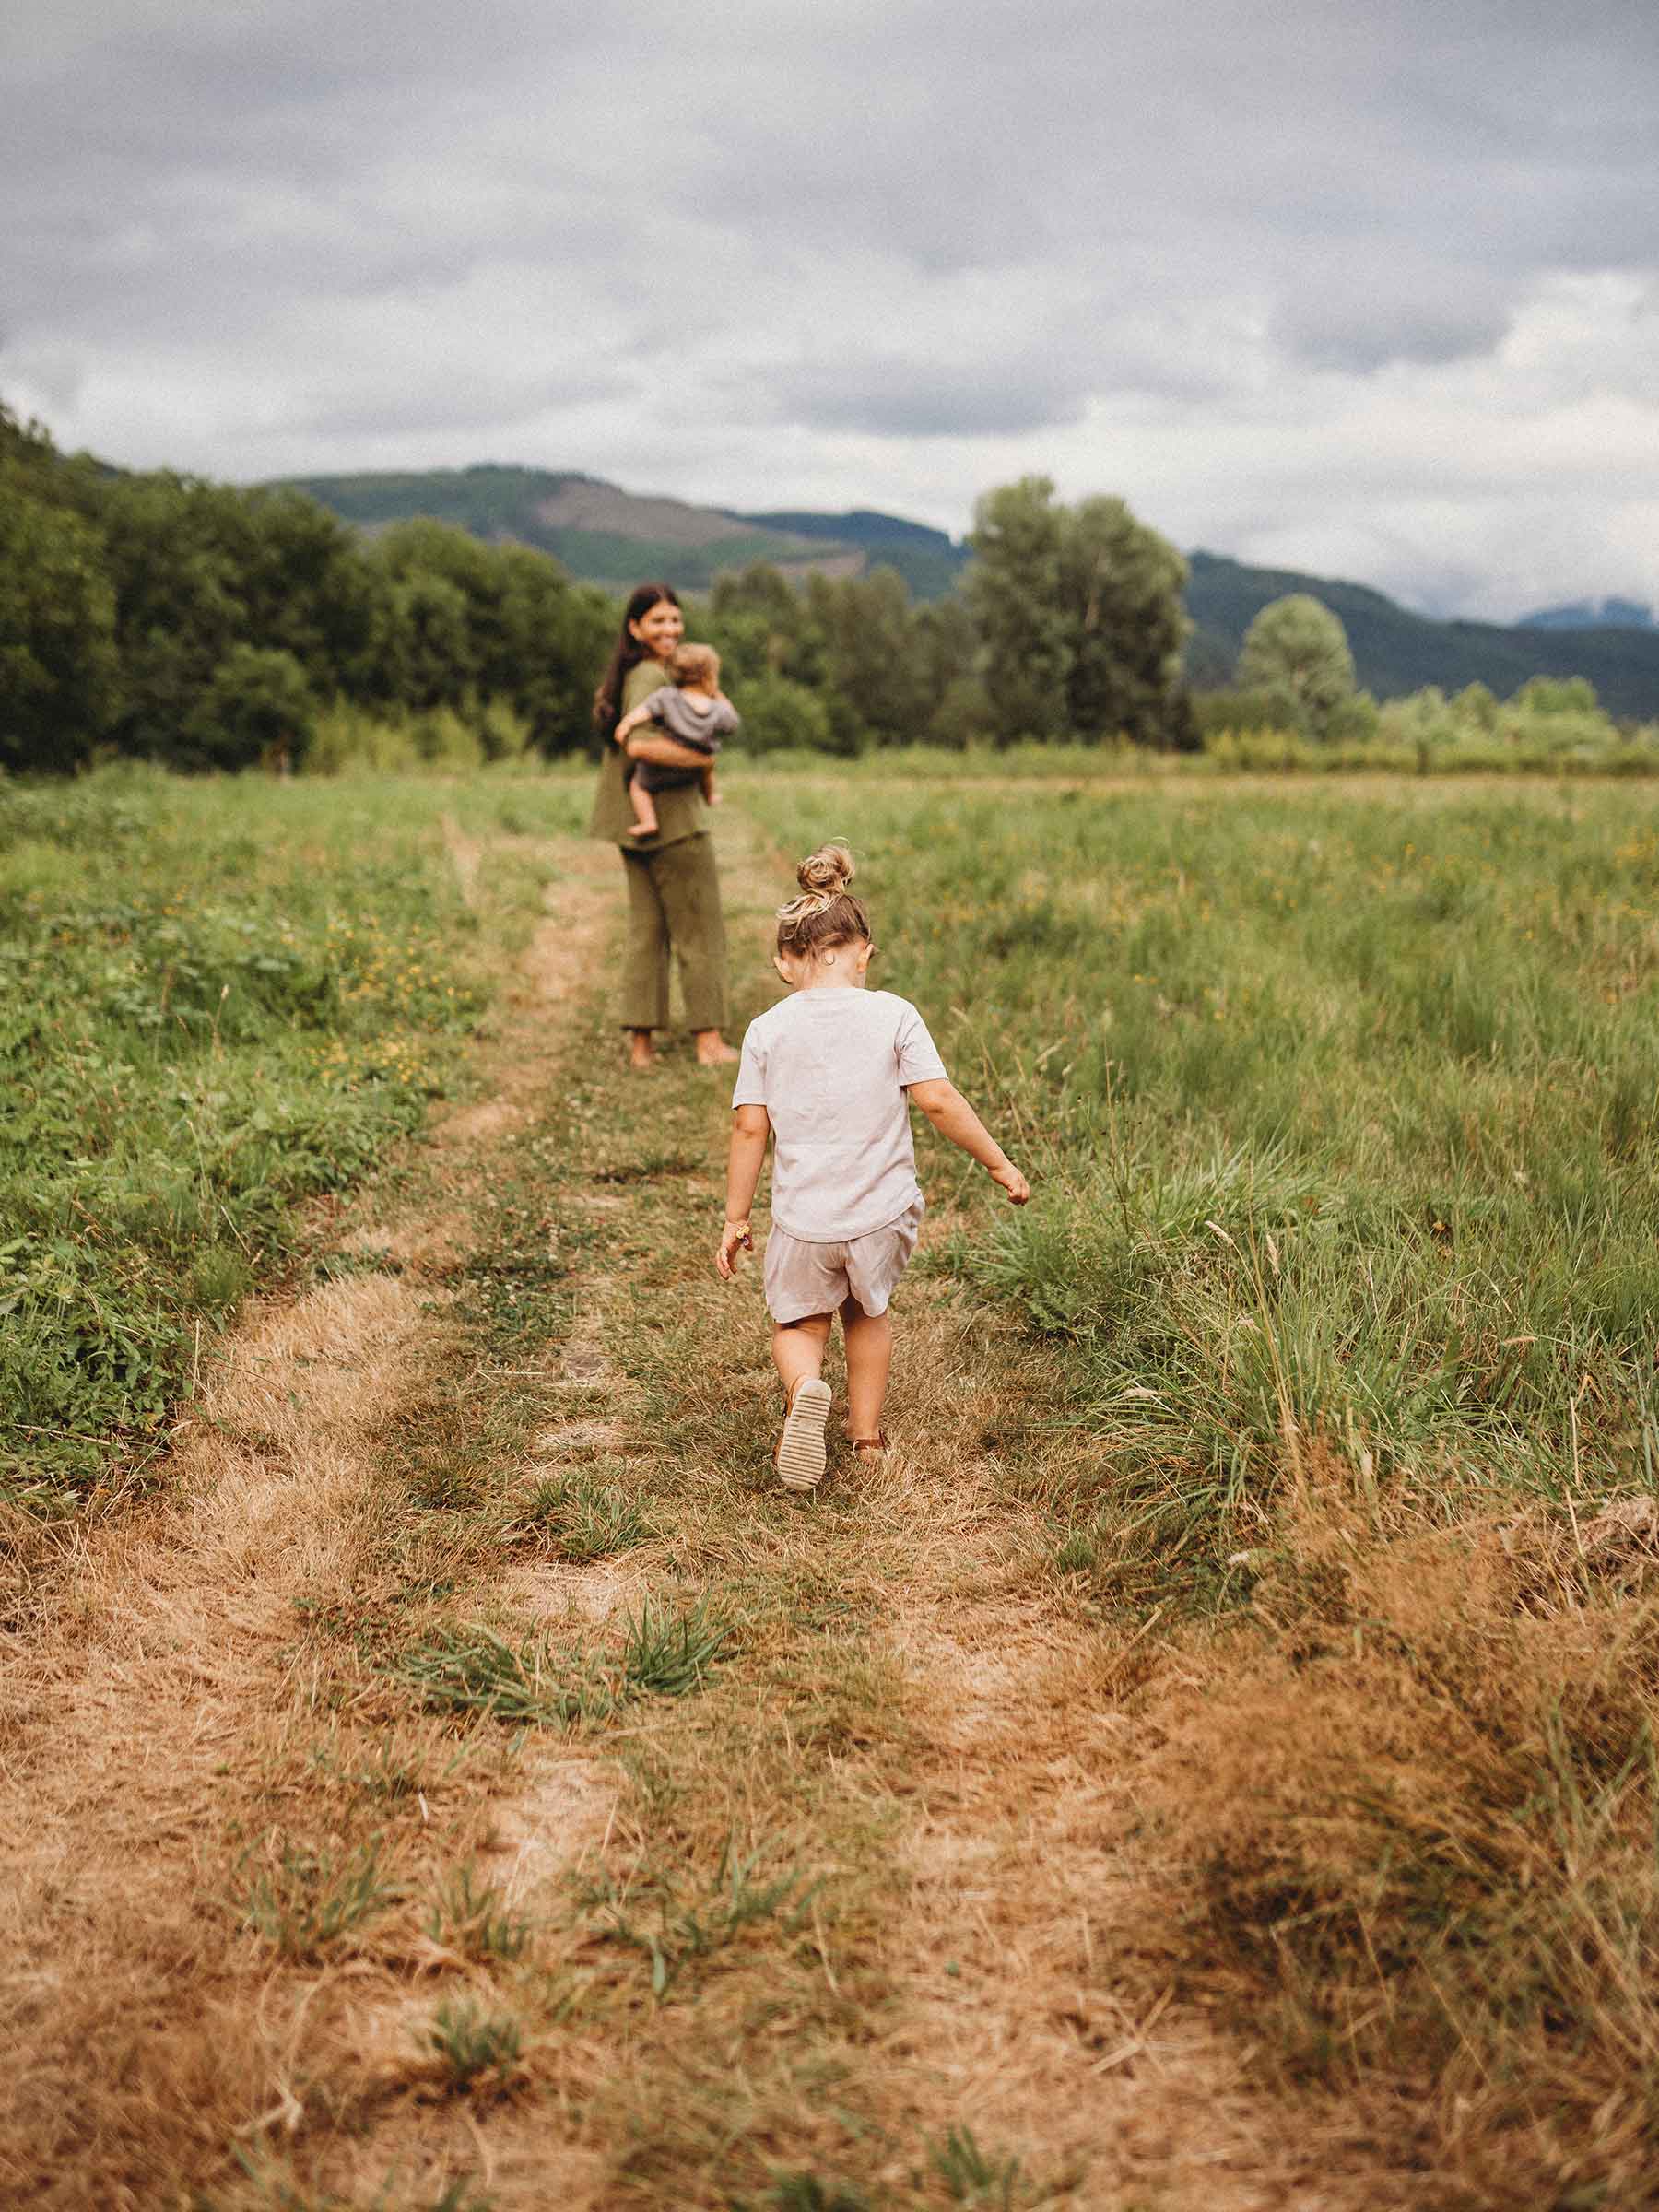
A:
(693, 710)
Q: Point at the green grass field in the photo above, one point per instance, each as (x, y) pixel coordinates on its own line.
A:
(1284, 1482)
(220, 999)
(1345, 1105)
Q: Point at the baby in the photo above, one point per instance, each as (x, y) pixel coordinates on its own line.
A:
(694, 711)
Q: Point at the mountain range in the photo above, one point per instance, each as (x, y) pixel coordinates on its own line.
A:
(613, 538)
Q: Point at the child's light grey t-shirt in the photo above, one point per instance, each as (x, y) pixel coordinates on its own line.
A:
(831, 1066)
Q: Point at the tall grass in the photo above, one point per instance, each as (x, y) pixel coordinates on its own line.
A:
(1342, 1109)
(219, 998)
(1343, 1113)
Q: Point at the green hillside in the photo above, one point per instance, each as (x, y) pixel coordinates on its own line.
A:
(605, 535)
(1396, 652)
(929, 561)
(600, 533)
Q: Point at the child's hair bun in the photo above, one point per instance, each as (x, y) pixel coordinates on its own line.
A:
(830, 869)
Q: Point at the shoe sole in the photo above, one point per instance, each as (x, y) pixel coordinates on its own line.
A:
(801, 1455)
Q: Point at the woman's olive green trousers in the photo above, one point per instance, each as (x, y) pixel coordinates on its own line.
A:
(674, 900)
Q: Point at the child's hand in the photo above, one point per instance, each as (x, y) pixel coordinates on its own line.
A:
(1010, 1179)
(717, 798)
(733, 1238)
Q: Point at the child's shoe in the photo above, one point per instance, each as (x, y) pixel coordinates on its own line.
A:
(799, 1455)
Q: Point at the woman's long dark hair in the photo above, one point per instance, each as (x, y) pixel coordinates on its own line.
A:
(630, 653)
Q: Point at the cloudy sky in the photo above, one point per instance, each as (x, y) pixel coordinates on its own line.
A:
(1371, 291)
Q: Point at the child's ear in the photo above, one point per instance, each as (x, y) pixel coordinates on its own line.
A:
(778, 964)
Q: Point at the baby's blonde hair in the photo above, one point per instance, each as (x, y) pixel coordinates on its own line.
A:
(690, 663)
(826, 913)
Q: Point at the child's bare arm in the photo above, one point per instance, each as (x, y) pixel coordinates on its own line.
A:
(751, 1127)
(952, 1116)
(629, 723)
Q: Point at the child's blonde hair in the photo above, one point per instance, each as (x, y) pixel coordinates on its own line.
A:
(826, 913)
(695, 665)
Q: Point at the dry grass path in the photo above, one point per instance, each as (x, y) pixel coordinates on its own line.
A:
(811, 1874)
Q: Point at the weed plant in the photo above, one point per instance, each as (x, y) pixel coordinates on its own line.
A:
(471, 1917)
(650, 1912)
(218, 998)
(471, 1670)
(303, 1900)
(578, 1518)
(474, 2046)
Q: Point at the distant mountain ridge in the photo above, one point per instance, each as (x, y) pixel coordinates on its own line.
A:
(1395, 651)
(1590, 614)
(607, 536)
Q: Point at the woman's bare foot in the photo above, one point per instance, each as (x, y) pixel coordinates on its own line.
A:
(713, 1051)
(641, 1052)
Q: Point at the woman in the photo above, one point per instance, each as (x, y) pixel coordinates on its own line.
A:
(673, 892)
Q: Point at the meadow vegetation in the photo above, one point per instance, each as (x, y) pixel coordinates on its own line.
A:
(1266, 1588)
(220, 999)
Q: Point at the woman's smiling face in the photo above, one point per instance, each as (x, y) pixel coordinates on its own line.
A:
(659, 629)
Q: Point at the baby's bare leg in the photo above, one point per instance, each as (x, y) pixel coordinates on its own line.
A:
(644, 808)
(869, 1341)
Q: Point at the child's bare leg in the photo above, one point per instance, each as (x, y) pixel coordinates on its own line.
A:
(798, 1455)
(644, 809)
(798, 1349)
(869, 1341)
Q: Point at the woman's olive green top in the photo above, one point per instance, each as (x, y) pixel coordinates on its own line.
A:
(680, 814)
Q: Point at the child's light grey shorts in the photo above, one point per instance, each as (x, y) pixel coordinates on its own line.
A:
(803, 1278)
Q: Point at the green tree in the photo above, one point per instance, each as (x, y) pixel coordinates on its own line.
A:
(1297, 650)
(58, 666)
(257, 706)
(780, 714)
(877, 688)
(760, 625)
(1079, 615)
(1557, 695)
(1122, 586)
(1016, 595)
(947, 646)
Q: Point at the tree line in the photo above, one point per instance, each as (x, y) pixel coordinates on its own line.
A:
(195, 624)
(172, 619)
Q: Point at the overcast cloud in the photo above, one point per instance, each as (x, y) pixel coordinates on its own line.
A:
(1370, 291)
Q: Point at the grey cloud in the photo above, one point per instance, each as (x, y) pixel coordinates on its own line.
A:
(477, 405)
(924, 225)
(895, 396)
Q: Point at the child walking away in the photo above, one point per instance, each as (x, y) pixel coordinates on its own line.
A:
(692, 709)
(825, 1073)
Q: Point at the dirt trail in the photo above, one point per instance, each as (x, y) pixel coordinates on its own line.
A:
(150, 1689)
(160, 1715)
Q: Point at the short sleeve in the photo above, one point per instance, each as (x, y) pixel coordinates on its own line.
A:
(751, 1088)
(642, 680)
(723, 718)
(917, 1054)
(657, 706)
